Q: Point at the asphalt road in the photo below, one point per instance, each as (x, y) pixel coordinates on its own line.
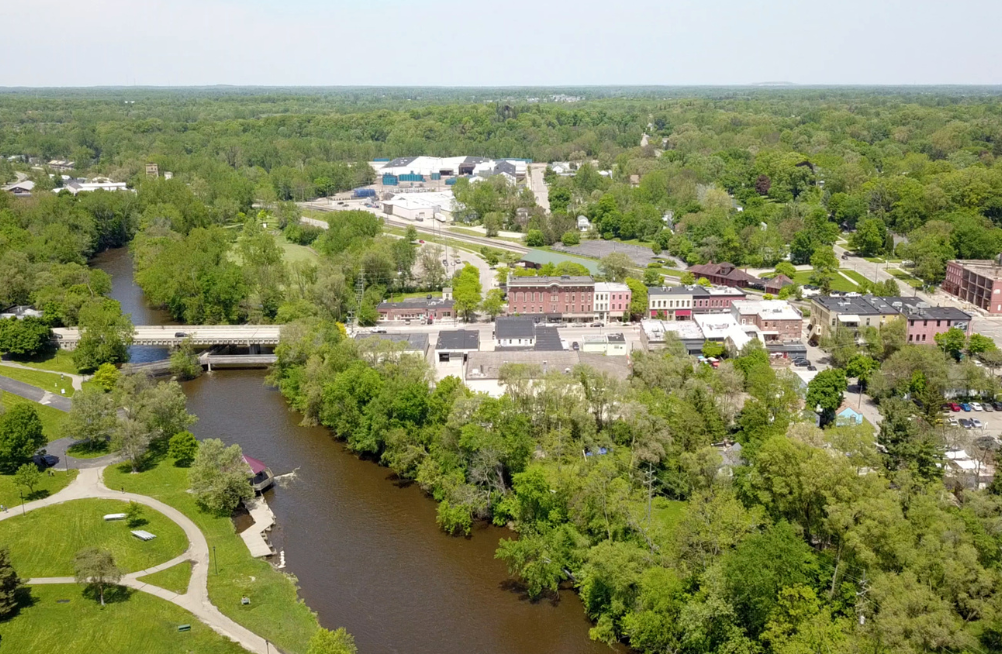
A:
(538, 185)
(35, 394)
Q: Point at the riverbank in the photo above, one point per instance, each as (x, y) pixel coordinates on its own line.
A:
(275, 612)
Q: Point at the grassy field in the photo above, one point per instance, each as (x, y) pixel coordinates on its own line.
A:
(275, 611)
(905, 277)
(397, 297)
(438, 240)
(48, 381)
(58, 361)
(52, 419)
(10, 497)
(90, 450)
(43, 542)
(839, 283)
(473, 232)
(135, 622)
(295, 253)
(174, 578)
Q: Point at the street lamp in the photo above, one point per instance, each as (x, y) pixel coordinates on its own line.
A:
(21, 493)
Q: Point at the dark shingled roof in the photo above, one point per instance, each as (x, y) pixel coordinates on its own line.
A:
(458, 339)
(514, 327)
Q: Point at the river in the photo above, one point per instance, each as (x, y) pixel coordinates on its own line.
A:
(365, 548)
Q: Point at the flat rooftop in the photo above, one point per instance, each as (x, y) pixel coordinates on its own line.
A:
(984, 267)
(458, 339)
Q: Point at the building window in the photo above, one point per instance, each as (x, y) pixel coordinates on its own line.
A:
(909, 338)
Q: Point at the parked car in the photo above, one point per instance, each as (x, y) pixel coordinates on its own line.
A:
(965, 423)
(954, 407)
(596, 324)
(988, 407)
(953, 422)
(977, 406)
(575, 346)
(812, 367)
(997, 405)
(801, 363)
(965, 406)
(379, 330)
(43, 460)
(977, 424)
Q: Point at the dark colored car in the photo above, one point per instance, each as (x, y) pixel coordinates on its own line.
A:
(575, 346)
(43, 460)
(966, 424)
(596, 324)
(801, 363)
(811, 367)
(180, 335)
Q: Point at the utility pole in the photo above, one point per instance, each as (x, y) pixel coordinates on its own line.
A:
(359, 294)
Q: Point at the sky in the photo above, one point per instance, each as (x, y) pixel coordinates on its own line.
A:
(508, 43)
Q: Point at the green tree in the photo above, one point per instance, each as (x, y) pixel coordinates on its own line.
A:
(107, 376)
(132, 438)
(183, 448)
(713, 349)
(338, 641)
(11, 586)
(105, 336)
(638, 298)
(979, 344)
(20, 435)
(28, 477)
(687, 279)
(861, 367)
(92, 416)
(952, 341)
(616, 266)
(825, 265)
(96, 569)
(652, 277)
(134, 515)
(786, 268)
(534, 238)
(26, 337)
(184, 362)
(493, 304)
(219, 477)
(869, 237)
(466, 291)
(571, 237)
(824, 393)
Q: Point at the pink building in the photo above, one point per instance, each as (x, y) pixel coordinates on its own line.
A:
(976, 281)
(681, 302)
(561, 298)
(612, 300)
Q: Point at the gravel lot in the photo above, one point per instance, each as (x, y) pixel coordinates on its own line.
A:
(598, 249)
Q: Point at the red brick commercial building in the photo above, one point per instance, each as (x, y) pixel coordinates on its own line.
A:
(560, 298)
(976, 281)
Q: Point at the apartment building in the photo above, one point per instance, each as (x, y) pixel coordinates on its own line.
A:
(612, 300)
(567, 298)
(976, 281)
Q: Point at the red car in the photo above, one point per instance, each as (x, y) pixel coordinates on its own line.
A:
(954, 407)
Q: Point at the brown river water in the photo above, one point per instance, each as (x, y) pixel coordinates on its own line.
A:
(365, 547)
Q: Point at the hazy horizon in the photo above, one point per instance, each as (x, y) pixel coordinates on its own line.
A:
(450, 44)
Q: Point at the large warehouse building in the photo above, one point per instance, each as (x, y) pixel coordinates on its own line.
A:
(421, 169)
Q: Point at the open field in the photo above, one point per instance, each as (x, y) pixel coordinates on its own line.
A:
(60, 618)
(48, 485)
(47, 381)
(905, 277)
(52, 419)
(58, 361)
(275, 612)
(44, 542)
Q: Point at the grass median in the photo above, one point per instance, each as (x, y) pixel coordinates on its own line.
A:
(275, 611)
(44, 542)
(174, 578)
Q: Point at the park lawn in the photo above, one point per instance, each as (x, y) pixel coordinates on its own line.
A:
(174, 578)
(90, 450)
(275, 611)
(294, 253)
(47, 381)
(135, 622)
(58, 361)
(47, 485)
(52, 419)
(839, 283)
(44, 542)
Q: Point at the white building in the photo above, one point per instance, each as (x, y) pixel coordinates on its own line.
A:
(607, 344)
(611, 299)
(724, 328)
(75, 186)
(438, 205)
(583, 224)
(454, 166)
(22, 188)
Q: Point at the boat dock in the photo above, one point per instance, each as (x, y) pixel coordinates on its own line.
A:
(254, 536)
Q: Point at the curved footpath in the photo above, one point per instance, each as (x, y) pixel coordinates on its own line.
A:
(89, 485)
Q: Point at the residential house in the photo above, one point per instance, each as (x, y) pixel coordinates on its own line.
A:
(515, 331)
(567, 298)
(776, 284)
(612, 300)
(20, 189)
(846, 415)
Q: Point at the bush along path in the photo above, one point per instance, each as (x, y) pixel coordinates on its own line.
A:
(88, 485)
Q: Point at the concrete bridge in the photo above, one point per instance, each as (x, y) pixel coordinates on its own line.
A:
(252, 336)
(206, 360)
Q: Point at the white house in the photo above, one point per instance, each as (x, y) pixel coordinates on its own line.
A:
(583, 224)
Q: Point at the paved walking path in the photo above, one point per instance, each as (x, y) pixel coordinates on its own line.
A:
(89, 485)
(35, 394)
(58, 448)
(77, 380)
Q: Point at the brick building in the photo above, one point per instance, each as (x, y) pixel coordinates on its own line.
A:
(425, 308)
(612, 300)
(976, 281)
(558, 298)
(681, 302)
(777, 320)
(923, 320)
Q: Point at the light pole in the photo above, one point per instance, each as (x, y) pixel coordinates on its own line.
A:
(215, 559)
(19, 492)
